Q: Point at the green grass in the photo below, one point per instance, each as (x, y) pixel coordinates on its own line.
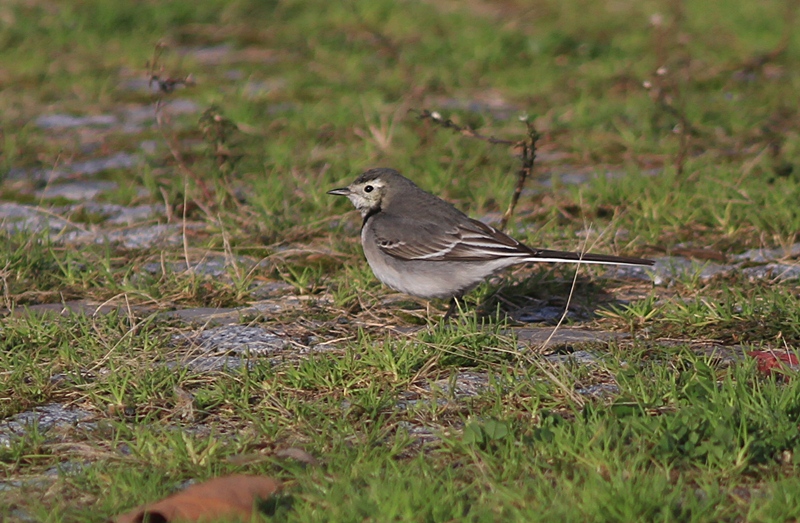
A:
(410, 420)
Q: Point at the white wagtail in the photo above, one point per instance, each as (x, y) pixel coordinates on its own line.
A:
(421, 245)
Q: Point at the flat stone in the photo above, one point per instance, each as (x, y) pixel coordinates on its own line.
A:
(137, 118)
(53, 416)
(18, 217)
(273, 306)
(138, 115)
(464, 384)
(259, 88)
(546, 314)
(143, 237)
(600, 391)
(767, 255)
(150, 147)
(138, 85)
(492, 104)
(81, 190)
(669, 269)
(204, 364)
(625, 272)
(226, 54)
(537, 337)
(91, 167)
(209, 315)
(581, 357)
(210, 55)
(17, 211)
(66, 121)
(423, 434)
(773, 271)
(270, 289)
(721, 355)
(411, 400)
(181, 106)
(73, 307)
(214, 265)
(237, 339)
(281, 107)
(575, 175)
(124, 215)
(234, 74)
(64, 309)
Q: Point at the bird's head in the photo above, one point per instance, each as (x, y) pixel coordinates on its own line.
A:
(370, 189)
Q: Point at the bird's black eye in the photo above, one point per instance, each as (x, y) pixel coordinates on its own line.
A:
(368, 188)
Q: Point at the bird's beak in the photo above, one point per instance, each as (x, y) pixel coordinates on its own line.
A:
(344, 191)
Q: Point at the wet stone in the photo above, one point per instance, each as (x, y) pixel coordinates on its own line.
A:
(46, 418)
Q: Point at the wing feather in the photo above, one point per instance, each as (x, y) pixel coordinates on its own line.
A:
(420, 239)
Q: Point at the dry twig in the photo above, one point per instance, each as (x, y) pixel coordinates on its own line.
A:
(528, 146)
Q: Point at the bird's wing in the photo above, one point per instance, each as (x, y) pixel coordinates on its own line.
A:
(416, 238)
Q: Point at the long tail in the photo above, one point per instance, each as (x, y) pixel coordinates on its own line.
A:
(547, 256)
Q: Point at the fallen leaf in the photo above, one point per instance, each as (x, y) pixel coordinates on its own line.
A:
(768, 361)
(226, 497)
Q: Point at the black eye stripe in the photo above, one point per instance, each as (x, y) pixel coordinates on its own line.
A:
(368, 188)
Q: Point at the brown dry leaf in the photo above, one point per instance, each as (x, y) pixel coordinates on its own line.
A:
(225, 497)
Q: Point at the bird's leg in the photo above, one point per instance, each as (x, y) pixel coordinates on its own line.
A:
(451, 309)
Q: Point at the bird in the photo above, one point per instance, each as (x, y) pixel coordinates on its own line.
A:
(418, 244)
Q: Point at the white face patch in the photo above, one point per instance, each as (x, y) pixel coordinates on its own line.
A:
(366, 195)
